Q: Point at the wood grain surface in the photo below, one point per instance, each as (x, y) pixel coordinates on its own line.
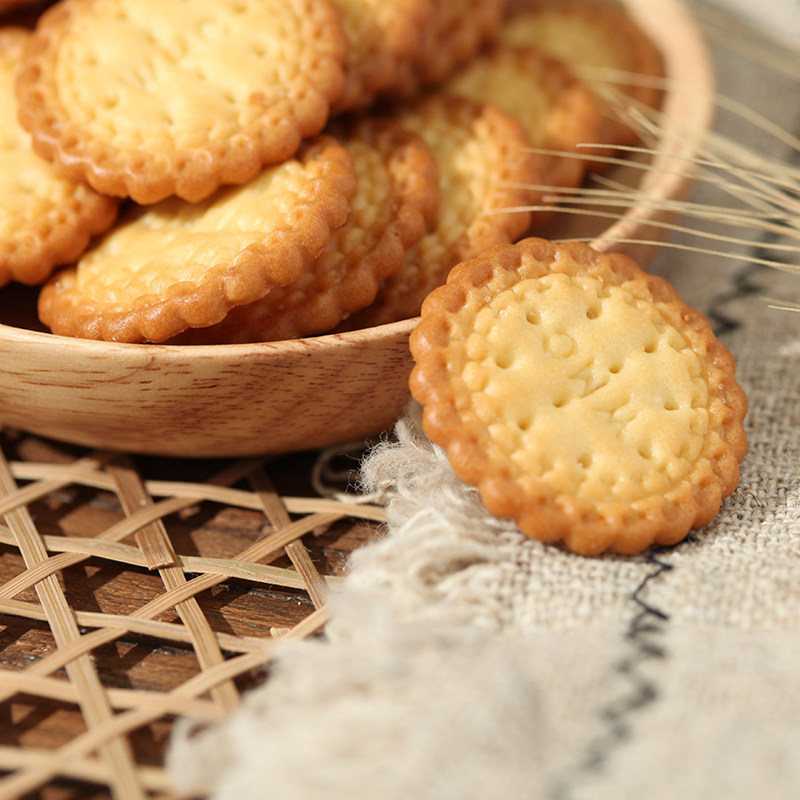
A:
(207, 401)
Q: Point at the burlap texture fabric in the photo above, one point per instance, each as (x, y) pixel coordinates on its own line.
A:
(466, 661)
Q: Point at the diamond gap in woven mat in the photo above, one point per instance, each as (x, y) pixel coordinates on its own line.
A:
(134, 590)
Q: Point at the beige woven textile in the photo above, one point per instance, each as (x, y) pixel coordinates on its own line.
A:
(465, 661)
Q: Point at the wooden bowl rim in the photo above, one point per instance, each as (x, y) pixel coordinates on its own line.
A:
(333, 341)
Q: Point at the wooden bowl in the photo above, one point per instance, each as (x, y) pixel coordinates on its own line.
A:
(235, 400)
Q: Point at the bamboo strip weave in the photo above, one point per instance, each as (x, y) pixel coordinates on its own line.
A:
(139, 540)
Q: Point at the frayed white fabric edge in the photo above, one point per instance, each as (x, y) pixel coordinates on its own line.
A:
(410, 659)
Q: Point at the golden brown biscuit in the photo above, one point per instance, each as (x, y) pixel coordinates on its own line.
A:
(384, 37)
(603, 44)
(484, 166)
(178, 265)
(580, 395)
(397, 194)
(453, 35)
(191, 95)
(45, 221)
(557, 110)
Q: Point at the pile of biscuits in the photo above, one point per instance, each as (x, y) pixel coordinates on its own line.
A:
(258, 170)
(253, 170)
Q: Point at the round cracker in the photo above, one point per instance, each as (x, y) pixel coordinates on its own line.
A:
(187, 98)
(384, 36)
(556, 108)
(603, 44)
(484, 166)
(177, 265)
(454, 34)
(580, 395)
(397, 194)
(45, 220)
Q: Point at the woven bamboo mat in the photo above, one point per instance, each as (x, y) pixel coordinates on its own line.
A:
(135, 591)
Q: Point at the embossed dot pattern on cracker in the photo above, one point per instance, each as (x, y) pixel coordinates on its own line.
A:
(145, 99)
(581, 396)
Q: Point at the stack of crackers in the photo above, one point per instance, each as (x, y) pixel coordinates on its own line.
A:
(254, 170)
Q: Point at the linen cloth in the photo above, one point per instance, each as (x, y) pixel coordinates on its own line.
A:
(467, 661)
